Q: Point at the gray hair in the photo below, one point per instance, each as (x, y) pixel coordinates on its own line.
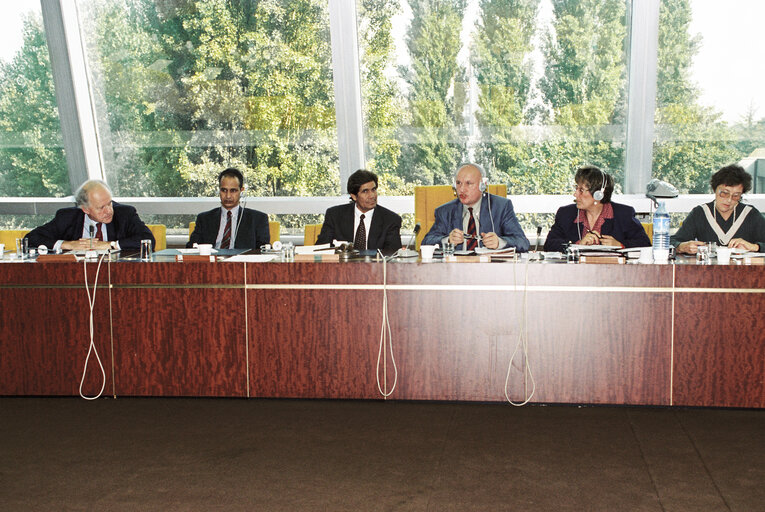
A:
(82, 196)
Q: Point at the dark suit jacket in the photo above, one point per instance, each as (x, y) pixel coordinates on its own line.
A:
(624, 227)
(384, 232)
(126, 228)
(501, 221)
(252, 231)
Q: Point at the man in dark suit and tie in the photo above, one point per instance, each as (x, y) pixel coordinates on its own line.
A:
(96, 222)
(231, 226)
(362, 221)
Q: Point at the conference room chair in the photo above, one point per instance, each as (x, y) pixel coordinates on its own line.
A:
(274, 230)
(648, 226)
(429, 197)
(311, 234)
(9, 236)
(160, 235)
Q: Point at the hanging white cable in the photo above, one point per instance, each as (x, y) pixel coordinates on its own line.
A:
(92, 347)
(386, 340)
(523, 344)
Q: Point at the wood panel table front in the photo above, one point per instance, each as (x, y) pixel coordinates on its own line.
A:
(601, 334)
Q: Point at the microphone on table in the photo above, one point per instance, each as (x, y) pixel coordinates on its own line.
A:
(535, 255)
(406, 252)
(92, 230)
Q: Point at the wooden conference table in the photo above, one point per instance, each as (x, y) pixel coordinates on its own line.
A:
(602, 334)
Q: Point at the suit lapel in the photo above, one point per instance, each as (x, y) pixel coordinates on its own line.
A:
(79, 225)
(240, 224)
(375, 229)
(347, 223)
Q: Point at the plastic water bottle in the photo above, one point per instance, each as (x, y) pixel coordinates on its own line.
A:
(661, 234)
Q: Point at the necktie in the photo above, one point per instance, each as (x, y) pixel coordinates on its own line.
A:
(225, 242)
(472, 242)
(360, 242)
(99, 235)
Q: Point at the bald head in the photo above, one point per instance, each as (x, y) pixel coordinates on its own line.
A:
(467, 182)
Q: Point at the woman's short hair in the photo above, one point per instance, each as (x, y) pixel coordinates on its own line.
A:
(594, 177)
(731, 175)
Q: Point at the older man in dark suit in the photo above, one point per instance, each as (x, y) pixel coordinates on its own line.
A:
(96, 222)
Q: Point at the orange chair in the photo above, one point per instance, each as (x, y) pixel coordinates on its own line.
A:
(160, 235)
(9, 236)
(311, 233)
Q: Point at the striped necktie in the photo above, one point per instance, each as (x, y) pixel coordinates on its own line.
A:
(225, 242)
(472, 242)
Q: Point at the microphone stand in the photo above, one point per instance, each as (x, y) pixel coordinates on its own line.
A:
(535, 255)
(406, 252)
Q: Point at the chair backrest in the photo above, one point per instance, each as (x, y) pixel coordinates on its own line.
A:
(648, 226)
(429, 197)
(274, 230)
(9, 236)
(311, 233)
(160, 235)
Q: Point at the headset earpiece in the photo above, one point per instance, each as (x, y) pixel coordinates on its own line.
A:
(599, 194)
(483, 184)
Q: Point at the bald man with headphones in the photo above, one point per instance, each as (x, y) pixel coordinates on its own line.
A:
(476, 218)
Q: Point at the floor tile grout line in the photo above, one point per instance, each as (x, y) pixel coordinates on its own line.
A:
(645, 461)
(439, 462)
(701, 458)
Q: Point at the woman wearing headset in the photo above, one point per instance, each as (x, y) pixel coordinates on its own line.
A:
(725, 220)
(594, 219)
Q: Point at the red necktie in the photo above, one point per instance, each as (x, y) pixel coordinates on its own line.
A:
(360, 242)
(225, 242)
(99, 235)
(472, 242)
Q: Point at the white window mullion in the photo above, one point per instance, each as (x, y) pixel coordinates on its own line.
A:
(641, 107)
(347, 81)
(75, 106)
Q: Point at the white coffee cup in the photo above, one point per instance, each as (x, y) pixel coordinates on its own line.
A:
(204, 249)
(723, 255)
(427, 252)
(2, 250)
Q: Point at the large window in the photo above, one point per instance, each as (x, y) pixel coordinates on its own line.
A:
(710, 108)
(530, 89)
(32, 159)
(186, 89)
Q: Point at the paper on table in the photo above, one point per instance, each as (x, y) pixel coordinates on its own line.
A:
(308, 249)
(252, 258)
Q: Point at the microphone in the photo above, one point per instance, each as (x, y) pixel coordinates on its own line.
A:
(407, 252)
(92, 230)
(535, 255)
